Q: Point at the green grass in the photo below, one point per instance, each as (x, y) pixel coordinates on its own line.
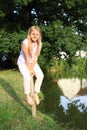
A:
(14, 113)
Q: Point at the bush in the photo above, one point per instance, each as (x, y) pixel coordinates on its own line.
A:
(10, 44)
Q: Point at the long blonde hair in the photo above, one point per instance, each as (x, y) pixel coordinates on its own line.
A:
(38, 41)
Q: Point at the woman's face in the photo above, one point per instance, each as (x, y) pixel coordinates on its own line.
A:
(34, 35)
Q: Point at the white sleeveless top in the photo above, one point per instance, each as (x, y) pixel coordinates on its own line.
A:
(21, 58)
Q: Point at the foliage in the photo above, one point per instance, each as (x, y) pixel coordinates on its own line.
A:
(79, 66)
(63, 24)
(60, 68)
(69, 12)
(22, 2)
(65, 40)
(10, 44)
(73, 117)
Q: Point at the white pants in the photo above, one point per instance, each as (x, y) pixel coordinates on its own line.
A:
(26, 77)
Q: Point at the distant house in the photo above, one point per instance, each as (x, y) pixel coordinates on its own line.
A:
(81, 53)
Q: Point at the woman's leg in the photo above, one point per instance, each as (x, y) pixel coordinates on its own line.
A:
(39, 78)
(26, 81)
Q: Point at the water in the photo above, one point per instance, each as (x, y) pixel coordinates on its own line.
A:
(73, 89)
(66, 101)
(69, 87)
(74, 101)
(78, 99)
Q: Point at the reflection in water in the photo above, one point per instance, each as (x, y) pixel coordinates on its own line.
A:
(73, 103)
(79, 101)
(74, 90)
(72, 87)
(69, 110)
(84, 83)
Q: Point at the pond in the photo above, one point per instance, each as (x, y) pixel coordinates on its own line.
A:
(66, 101)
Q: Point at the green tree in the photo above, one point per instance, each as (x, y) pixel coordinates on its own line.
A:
(63, 24)
(45, 12)
(10, 45)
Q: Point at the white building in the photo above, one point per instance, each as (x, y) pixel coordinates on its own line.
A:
(81, 54)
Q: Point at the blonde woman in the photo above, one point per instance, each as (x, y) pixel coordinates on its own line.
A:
(27, 63)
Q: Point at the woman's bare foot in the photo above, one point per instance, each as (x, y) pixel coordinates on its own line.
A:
(29, 100)
(37, 100)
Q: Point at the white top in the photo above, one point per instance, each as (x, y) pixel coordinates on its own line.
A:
(21, 58)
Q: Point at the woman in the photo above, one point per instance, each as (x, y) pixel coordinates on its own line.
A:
(27, 63)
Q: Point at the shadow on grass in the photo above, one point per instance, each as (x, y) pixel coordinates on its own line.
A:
(9, 89)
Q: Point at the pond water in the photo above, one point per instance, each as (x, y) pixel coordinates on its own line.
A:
(66, 101)
(73, 90)
(81, 100)
(74, 101)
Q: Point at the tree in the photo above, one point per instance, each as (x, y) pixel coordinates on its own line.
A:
(63, 24)
(62, 39)
(10, 44)
(27, 12)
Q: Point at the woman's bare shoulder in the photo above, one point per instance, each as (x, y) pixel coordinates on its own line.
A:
(25, 42)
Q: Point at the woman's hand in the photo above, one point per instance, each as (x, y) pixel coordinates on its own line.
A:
(32, 73)
(30, 68)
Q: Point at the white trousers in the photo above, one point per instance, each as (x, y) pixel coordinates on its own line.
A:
(26, 77)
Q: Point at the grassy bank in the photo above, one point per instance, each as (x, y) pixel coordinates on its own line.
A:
(14, 113)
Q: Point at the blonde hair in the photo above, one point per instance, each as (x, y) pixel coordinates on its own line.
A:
(38, 41)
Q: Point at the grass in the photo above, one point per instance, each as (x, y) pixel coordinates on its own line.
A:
(14, 113)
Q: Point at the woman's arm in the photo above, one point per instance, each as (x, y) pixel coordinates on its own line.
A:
(36, 55)
(26, 54)
(35, 59)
